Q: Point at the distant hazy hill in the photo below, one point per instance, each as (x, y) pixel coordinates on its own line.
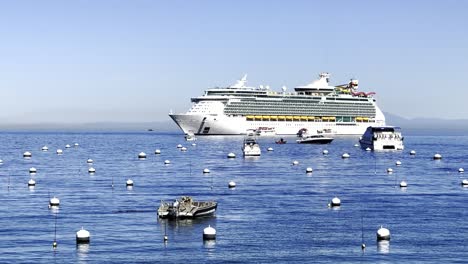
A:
(429, 126)
(162, 126)
(416, 126)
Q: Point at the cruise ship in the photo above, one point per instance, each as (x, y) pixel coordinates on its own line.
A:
(317, 106)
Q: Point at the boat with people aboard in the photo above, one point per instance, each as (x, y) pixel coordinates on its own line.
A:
(280, 141)
(382, 138)
(251, 147)
(186, 207)
(234, 109)
(315, 139)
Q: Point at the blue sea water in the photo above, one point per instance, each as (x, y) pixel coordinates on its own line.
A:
(277, 213)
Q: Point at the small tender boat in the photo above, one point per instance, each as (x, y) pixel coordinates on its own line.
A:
(186, 207)
(190, 136)
(251, 147)
(382, 138)
(265, 131)
(315, 139)
(280, 141)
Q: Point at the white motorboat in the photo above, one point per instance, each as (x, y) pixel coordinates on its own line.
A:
(315, 139)
(382, 138)
(251, 147)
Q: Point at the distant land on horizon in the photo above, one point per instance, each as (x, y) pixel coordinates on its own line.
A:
(413, 126)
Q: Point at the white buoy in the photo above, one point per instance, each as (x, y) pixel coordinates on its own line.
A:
(167, 162)
(231, 155)
(183, 149)
(91, 170)
(403, 184)
(389, 170)
(335, 202)
(194, 144)
(209, 233)
(383, 233)
(157, 152)
(461, 170)
(206, 170)
(32, 170)
(67, 146)
(345, 156)
(270, 149)
(295, 162)
(232, 184)
(82, 236)
(90, 161)
(76, 144)
(45, 148)
(325, 152)
(464, 182)
(54, 201)
(368, 149)
(59, 152)
(1, 161)
(27, 154)
(142, 155)
(129, 182)
(31, 183)
(179, 146)
(356, 145)
(309, 170)
(437, 156)
(398, 163)
(413, 152)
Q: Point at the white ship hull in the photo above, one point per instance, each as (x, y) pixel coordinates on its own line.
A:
(224, 125)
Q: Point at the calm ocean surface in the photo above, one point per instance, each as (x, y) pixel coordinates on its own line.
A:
(276, 214)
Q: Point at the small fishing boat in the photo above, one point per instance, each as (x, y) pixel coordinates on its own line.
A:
(186, 207)
(315, 139)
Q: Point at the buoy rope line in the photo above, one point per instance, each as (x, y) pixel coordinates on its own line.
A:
(54, 245)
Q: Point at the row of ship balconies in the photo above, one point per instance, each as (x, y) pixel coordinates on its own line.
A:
(308, 118)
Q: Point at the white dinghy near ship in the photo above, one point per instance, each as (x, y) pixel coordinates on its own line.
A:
(237, 108)
(190, 136)
(265, 131)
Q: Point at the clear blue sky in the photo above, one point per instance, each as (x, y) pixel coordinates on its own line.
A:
(86, 61)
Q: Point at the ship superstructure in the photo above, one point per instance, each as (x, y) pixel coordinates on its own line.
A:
(235, 109)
